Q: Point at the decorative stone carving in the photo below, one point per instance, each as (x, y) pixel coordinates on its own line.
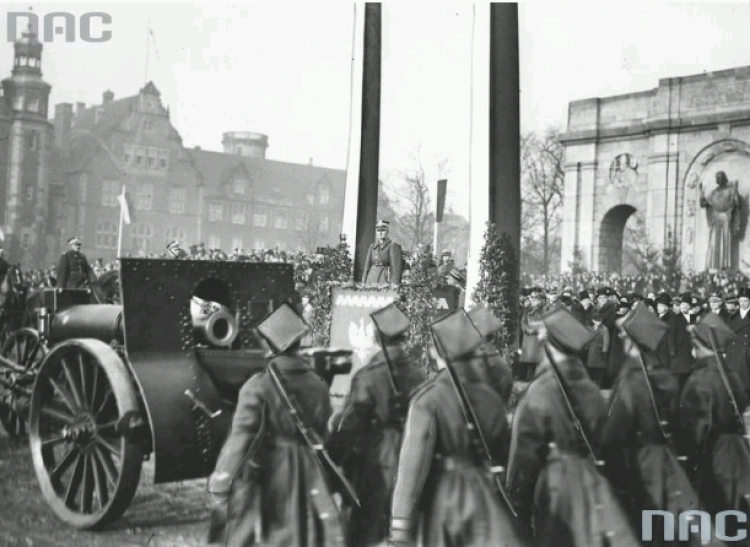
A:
(693, 180)
(691, 207)
(690, 235)
(623, 171)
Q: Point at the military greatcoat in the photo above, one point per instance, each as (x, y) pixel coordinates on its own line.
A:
(74, 271)
(277, 494)
(383, 264)
(439, 483)
(368, 438)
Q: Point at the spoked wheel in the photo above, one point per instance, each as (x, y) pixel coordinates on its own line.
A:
(26, 350)
(84, 427)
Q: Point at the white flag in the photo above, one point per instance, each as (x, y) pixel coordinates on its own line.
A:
(124, 206)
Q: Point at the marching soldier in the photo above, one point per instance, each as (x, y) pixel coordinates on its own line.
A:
(489, 361)
(636, 438)
(384, 259)
(73, 270)
(368, 433)
(551, 480)
(267, 475)
(712, 428)
(443, 492)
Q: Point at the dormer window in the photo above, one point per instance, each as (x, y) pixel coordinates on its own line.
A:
(33, 104)
(239, 186)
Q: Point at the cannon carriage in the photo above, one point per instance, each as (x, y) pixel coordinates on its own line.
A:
(109, 386)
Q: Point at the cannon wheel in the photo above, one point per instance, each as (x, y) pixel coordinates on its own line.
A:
(26, 349)
(82, 422)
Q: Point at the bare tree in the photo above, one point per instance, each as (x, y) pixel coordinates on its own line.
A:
(542, 187)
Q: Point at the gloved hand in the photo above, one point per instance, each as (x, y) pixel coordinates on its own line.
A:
(403, 533)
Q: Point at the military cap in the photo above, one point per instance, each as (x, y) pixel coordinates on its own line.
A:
(744, 292)
(664, 298)
(390, 321)
(74, 241)
(712, 322)
(604, 291)
(456, 274)
(715, 297)
(538, 291)
(566, 330)
(446, 252)
(282, 328)
(484, 320)
(731, 298)
(567, 291)
(644, 327)
(455, 335)
(552, 289)
(383, 224)
(173, 245)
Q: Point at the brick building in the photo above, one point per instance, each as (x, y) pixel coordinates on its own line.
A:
(62, 177)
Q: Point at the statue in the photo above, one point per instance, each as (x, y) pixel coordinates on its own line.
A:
(722, 212)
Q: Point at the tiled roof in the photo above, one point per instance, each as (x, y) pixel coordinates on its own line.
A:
(275, 180)
(112, 115)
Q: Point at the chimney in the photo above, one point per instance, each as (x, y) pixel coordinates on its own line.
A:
(107, 97)
(309, 162)
(197, 148)
(80, 107)
(63, 123)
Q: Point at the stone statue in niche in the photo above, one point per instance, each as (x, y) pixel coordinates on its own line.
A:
(623, 171)
(723, 215)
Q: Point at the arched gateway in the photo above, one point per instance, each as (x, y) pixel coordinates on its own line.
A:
(651, 152)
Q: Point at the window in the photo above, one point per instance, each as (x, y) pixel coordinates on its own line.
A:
(128, 154)
(260, 216)
(260, 244)
(141, 237)
(163, 159)
(98, 115)
(324, 194)
(214, 242)
(152, 158)
(109, 193)
(25, 240)
(177, 198)
(139, 157)
(301, 221)
(148, 125)
(29, 193)
(144, 197)
(280, 220)
(18, 102)
(31, 140)
(175, 233)
(33, 104)
(236, 243)
(239, 185)
(106, 235)
(238, 150)
(324, 224)
(238, 213)
(215, 212)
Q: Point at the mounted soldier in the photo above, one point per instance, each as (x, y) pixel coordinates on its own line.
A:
(73, 270)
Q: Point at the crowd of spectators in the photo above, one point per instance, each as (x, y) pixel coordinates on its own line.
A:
(643, 284)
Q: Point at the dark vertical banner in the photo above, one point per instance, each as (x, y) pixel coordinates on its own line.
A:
(367, 203)
(442, 187)
(505, 125)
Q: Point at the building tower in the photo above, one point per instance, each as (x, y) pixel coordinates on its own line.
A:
(245, 143)
(30, 140)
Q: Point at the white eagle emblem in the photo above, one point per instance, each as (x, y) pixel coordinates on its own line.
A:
(362, 338)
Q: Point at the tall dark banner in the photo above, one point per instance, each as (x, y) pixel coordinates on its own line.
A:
(505, 126)
(367, 204)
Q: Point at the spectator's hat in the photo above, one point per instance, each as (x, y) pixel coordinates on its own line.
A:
(744, 292)
(686, 297)
(567, 291)
(390, 321)
(484, 320)
(715, 297)
(446, 252)
(283, 328)
(552, 289)
(712, 322)
(383, 225)
(564, 329)
(537, 291)
(584, 295)
(730, 298)
(664, 298)
(526, 291)
(644, 327)
(74, 241)
(603, 291)
(455, 335)
(695, 302)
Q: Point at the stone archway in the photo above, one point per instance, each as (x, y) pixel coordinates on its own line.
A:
(611, 232)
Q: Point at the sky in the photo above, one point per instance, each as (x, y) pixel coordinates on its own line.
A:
(283, 69)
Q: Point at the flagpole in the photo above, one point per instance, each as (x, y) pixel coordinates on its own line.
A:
(119, 234)
(148, 31)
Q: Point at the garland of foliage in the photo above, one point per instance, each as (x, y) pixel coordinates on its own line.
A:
(498, 286)
(335, 269)
(417, 301)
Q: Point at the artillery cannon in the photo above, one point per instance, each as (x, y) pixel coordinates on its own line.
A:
(158, 376)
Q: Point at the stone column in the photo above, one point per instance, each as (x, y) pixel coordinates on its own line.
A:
(587, 230)
(571, 212)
